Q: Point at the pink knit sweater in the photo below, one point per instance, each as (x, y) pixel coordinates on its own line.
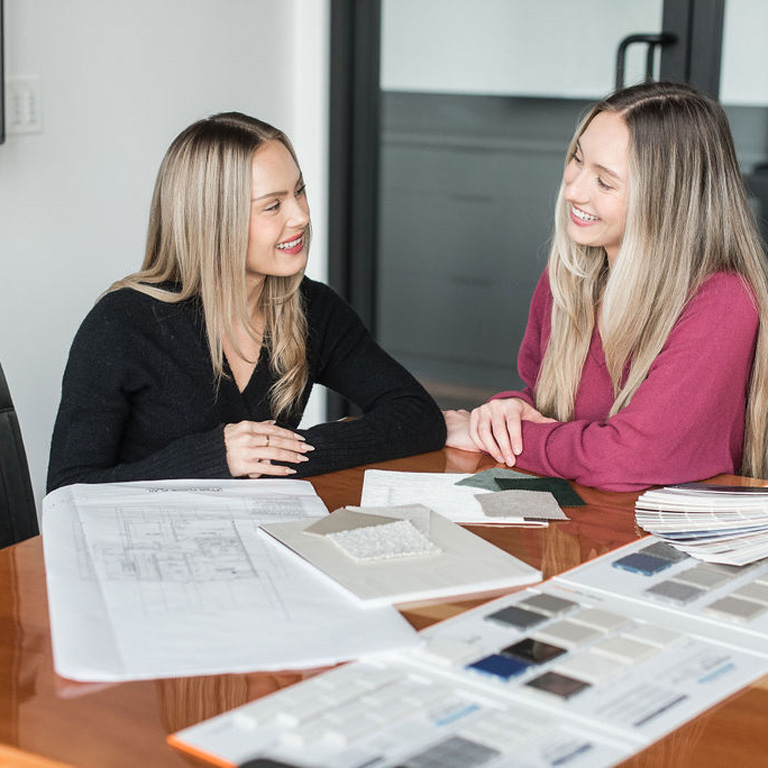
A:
(685, 422)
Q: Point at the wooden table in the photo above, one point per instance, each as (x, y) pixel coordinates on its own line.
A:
(116, 725)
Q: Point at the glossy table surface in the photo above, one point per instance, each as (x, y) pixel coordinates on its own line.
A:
(105, 725)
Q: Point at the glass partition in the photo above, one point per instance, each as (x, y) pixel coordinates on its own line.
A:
(478, 102)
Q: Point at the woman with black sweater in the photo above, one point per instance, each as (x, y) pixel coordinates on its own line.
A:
(200, 364)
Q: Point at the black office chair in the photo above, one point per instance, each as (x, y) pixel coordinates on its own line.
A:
(18, 517)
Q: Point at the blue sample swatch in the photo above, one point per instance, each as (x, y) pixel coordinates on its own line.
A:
(503, 667)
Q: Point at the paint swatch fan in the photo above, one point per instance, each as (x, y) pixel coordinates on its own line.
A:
(725, 524)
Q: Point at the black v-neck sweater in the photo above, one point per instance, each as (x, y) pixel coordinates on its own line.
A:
(139, 398)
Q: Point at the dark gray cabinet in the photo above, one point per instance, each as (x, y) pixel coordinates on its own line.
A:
(467, 192)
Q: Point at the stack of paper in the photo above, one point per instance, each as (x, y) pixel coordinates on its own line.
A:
(175, 578)
(717, 523)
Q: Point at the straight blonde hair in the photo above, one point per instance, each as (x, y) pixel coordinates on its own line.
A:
(197, 241)
(687, 217)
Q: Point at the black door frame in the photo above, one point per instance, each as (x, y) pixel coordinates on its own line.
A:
(354, 160)
(694, 57)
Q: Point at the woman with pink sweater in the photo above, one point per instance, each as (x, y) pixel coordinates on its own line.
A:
(646, 351)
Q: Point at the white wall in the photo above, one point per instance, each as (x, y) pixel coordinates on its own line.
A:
(119, 80)
(744, 76)
(551, 48)
(512, 47)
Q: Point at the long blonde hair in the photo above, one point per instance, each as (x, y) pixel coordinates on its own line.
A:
(198, 240)
(687, 217)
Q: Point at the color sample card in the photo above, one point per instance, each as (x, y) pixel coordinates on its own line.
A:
(527, 504)
(591, 668)
(674, 591)
(605, 621)
(499, 665)
(558, 684)
(734, 608)
(624, 649)
(592, 655)
(533, 651)
(640, 562)
(702, 576)
(549, 604)
(696, 594)
(390, 713)
(487, 479)
(653, 635)
(455, 752)
(570, 633)
(515, 616)
(546, 676)
(665, 551)
(559, 488)
(755, 591)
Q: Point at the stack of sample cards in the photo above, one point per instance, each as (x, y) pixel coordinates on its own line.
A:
(717, 523)
(496, 479)
(583, 670)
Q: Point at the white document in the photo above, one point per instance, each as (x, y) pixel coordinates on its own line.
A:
(174, 578)
(462, 563)
(436, 490)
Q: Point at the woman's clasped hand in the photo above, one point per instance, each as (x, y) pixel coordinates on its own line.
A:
(252, 446)
(495, 427)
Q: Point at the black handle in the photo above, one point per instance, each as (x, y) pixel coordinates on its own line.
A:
(651, 40)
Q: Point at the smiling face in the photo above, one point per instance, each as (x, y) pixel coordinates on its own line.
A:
(278, 237)
(596, 184)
